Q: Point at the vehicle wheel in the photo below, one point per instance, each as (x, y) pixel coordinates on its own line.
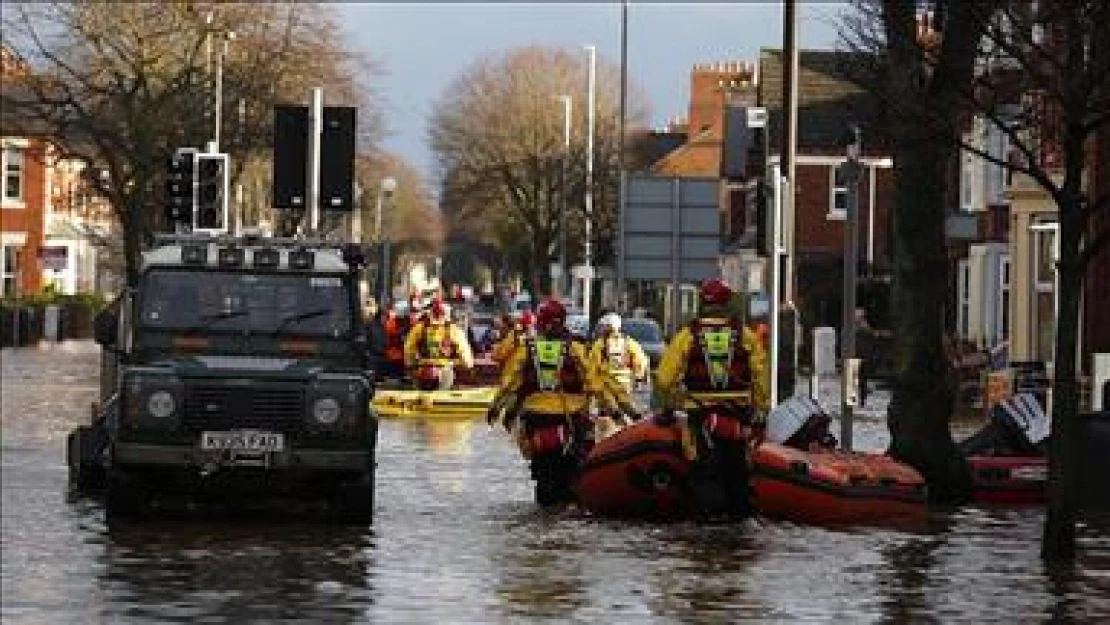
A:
(126, 497)
(84, 456)
(353, 501)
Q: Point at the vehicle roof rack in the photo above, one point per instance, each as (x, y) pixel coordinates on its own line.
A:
(167, 238)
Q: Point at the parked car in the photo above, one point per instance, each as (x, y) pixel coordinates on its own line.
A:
(648, 334)
(579, 325)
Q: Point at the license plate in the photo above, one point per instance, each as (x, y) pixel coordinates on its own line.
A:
(243, 440)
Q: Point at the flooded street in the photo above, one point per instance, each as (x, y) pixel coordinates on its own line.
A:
(457, 539)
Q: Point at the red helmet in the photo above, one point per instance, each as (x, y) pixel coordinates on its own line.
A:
(527, 319)
(715, 292)
(552, 316)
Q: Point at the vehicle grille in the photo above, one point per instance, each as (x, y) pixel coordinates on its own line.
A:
(230, 406)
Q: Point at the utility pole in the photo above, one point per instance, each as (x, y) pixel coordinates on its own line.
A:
(785, 183)
(849, 364)
(620, 156)
(315, 130)
(587, 290)
(564, 274)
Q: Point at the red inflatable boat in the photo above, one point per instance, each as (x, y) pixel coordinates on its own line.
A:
(829, 487)
(1007, 457)
(1008, 479)
(638, 471)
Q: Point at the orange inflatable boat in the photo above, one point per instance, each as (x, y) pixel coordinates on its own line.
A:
(830, 487)
(638, 471)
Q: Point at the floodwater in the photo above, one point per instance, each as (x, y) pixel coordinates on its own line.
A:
(456, 539)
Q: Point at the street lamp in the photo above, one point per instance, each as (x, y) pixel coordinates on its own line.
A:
(385, 192)
(563, 274)
(227, 35)
(591, 105)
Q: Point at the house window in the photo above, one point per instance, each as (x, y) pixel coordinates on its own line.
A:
(9, 271)
(963, 305)
(1044, 280)
(13, 174)
(1004, 290)
(967, 180)
(838, 191)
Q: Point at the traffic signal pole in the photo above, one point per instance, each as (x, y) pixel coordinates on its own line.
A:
(315, 129)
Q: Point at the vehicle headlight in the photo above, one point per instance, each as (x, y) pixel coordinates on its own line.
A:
(160, 404)
(326, 410)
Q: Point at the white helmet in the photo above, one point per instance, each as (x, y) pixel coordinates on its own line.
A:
(613, 320)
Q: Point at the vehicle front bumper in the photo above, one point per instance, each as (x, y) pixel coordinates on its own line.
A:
(316, 460)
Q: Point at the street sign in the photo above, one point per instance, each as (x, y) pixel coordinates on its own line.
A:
(670, 230)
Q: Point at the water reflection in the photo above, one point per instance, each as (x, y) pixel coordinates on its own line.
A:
(456, 539)
(238, 572)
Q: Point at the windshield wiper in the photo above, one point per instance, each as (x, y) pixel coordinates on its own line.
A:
(211, 318)
(301, 316)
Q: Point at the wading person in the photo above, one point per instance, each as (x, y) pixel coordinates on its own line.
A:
(545, 397)
(715, 370)
(435, 347)
(618, 354)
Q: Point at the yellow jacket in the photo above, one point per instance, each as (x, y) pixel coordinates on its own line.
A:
(624, 359)
(598, 385)
(505, 346)
(672, 369)
(433, 334)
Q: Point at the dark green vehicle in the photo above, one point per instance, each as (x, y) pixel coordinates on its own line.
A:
(240, 372)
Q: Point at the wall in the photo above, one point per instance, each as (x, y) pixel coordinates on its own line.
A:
(28, 219)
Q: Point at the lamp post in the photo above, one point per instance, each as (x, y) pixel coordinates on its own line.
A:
(563, 273)
(228, 36)
(588, 245)
(385, 192)
(849, 363)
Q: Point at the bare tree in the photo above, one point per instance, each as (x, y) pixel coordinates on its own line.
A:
(1040, 76)
(123, 85)
(916, 76)
(497, 134)
(411, 218)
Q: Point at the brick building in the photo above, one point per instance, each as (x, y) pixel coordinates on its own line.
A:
(828, 103)
(49, 219)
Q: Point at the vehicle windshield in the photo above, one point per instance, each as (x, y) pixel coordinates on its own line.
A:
(298, 304)
(643, 331)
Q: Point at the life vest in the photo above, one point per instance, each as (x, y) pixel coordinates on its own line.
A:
(551, 367)
(620, 358)
(718, 360)
(436, 343)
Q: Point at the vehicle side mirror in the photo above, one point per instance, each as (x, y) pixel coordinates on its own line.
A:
(105, 328)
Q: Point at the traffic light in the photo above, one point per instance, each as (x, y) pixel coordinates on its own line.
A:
(212, 182)
(181, 188)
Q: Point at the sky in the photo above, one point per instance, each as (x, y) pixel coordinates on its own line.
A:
(423, 46)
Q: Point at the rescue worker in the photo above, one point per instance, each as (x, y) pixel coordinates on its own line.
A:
(393, 329)
(516, 335)
(619, 354)
(714, 372)
(434, 347)
(548, 383)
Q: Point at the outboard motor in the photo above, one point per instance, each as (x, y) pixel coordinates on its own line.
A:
(799, 422)
(1018, 426)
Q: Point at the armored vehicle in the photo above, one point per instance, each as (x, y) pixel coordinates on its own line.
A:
(235, 368)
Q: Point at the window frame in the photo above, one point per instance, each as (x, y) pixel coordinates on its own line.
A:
(835, 213)
(21, 174)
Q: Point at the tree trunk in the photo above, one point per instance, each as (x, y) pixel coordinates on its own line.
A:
(920, 408)
(1059, 529)
(132, 240)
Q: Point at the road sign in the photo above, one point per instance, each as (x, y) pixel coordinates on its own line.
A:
(670, 230)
